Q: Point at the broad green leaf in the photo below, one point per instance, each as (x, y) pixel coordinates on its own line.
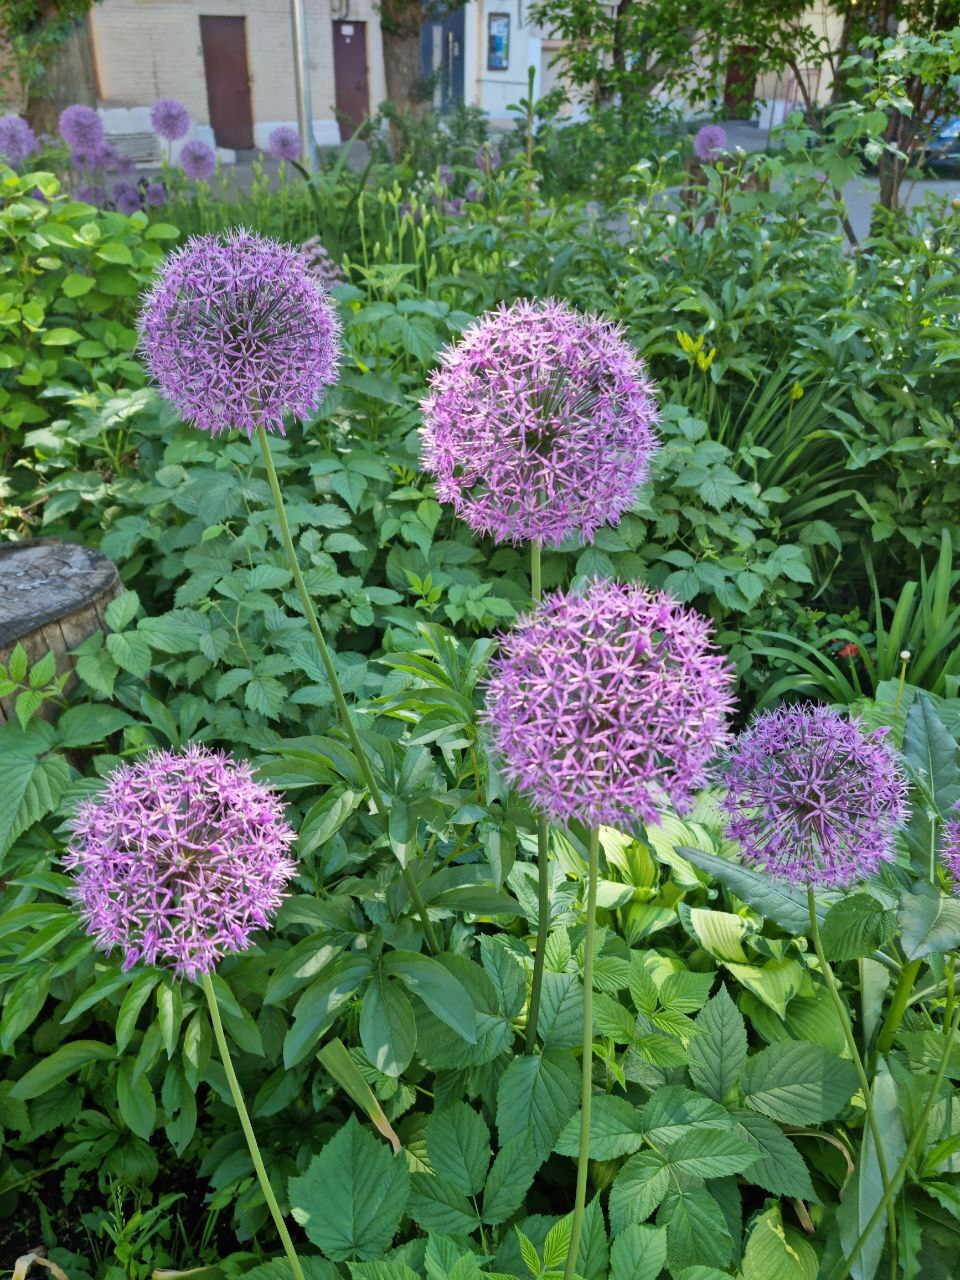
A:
(855, 927)
(798, 1083)
(22, 1002)
(138, 1107)
(440, 991)
(133, 1001)
(560, 1020)
(773, 1253)
(59, 1065)
(779, 1168)
(638, 1253)
(718, 932)
(697, 1232)
(711, 1153)
(929, 922)
(718, 1054)
(458, 1147)
(615, 1129)
(671, 1110)
(637, 1190)
(105, 985)
(505, 971)
(773, 899)
(509, 1179)
(437, 1206)
(31, 789)
(775, 982)
(89, 723)
(864, 1189)
(352, 1196)
(381, 1271)
(537, 1095)
(388, 1029)
(317, 1007)
(930, 750)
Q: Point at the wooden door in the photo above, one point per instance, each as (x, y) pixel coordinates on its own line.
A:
(350, 75)
(224, 43)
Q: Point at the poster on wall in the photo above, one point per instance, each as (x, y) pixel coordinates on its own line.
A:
(498, 41)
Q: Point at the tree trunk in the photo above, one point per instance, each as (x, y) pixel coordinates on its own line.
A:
(402, 64)
(52, 596)
(68, 75)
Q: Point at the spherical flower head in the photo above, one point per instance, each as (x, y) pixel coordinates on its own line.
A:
(179, 860)
(155, 195)
(284, 143)
(812, 798)
(88, 194)
(125, 165)
(81, 128)
(539, 424)
(197, 160)
(709, 142)
(17, 140)
(127, 198)
(606, 705)
(237, 332)
(950, 852)
(170, 119)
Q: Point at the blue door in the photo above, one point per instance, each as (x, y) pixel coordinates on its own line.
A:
(441, 48)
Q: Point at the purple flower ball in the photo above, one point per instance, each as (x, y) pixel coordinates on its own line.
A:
(605, 706)
(197, 160)
(284, 143)
(238, 333)
(155, 195)
(17, 140)
(488, 157)
(179, 860)
(127, 199)
(539, 423)
(89, 158)
(170, 119)
(89, 194)
(125, 165)
(950, 852)
(709, 142)
(812, 798)
(81, 128)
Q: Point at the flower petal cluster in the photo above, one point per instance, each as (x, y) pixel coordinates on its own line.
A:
(950, 852)
(17, 140)
(607, 704)
(812, 798)
(126, 196)
(539, 423)
(170, 119)
(709, 142)
(155, 195)
(179, 860)
(237, 332)
(284, 143)
(319, 261)
(81, 128)
(197, 160)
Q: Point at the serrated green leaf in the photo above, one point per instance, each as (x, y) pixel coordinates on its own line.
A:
(458, 1147)
(717, 1055)
(437, 1206)
(697, 1232)
(615, 1130)
(637, 1190)
(779, 1168)
(509, 1179)
(388, 1029)
(638, 1253)
(798, 1083)
(537, 1095)
(855, 927)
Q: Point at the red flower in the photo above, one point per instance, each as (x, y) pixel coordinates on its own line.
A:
(849, 651)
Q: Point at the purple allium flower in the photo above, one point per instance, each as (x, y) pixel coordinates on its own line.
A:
(812, 798)
(88, 194)
(708, 142)
(125, 165)
(488, 157)
(603, 706)
(284, 143)
(170, 119)
(238, 332)
(179, 860)
(155, 195)
(81, 128)
(320, 263)
(950, 852)
(127, 199)
(539, 423)
(197, 160)
(17, 140)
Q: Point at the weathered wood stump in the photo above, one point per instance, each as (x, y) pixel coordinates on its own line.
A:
(52, 596)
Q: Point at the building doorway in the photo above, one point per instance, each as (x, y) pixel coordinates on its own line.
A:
(224, 42)
(441, 48)
(350, 76)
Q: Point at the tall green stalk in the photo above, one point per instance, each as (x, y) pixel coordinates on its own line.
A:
(845, 1023)
(237, 1094)
(346, 719)
(543, 863)
(898, 1005)
(583, 1158)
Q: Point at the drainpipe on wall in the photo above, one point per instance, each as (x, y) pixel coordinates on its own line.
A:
(301, 76)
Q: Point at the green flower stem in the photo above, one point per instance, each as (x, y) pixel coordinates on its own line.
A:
(543, 862)
(580, 1201)
(237, 1095)
(340, 701)
(898, 1005)
(845, 1023)
(916, 1137)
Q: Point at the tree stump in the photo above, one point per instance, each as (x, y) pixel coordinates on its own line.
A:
(52, 596)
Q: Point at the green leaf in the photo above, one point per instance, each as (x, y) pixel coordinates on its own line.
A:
(458, 1147)
(637, 1190)
(122, 610)
(671, 1110)
(138, 1107)
(718, 1054)
(59, 1065)
(130, 651)
(779, 1168)
(89, 723)
(538, 1095)
(615, 1130)
(697, 1232)
(798, 1083)
(864, 1189)
(557, 1244)
(773, 899)
(62, 337)
(560, 1020)
(388, 1029)
(437, 1206)
(774, 1254)
(509, 1179)
(21, 1004)
(439, 990)
(113, 980)
(133, 1002)
(380, 1271)
(31, 789)
(931, 753)
(352, 1196)
(855, 927)
(638, 1253)
(711, 1153)
(929, 922)
(316, 1009)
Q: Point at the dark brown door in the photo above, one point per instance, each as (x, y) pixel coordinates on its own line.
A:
(224, 43)
(350, 75)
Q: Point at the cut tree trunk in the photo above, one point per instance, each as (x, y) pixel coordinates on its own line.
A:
(52, 597)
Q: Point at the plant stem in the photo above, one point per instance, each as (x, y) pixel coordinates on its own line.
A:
(237, 1095)
(841, 1009)
(543, 865)
(898, 1005)
(340, 701)
(580, 1201)
(916, 1138)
